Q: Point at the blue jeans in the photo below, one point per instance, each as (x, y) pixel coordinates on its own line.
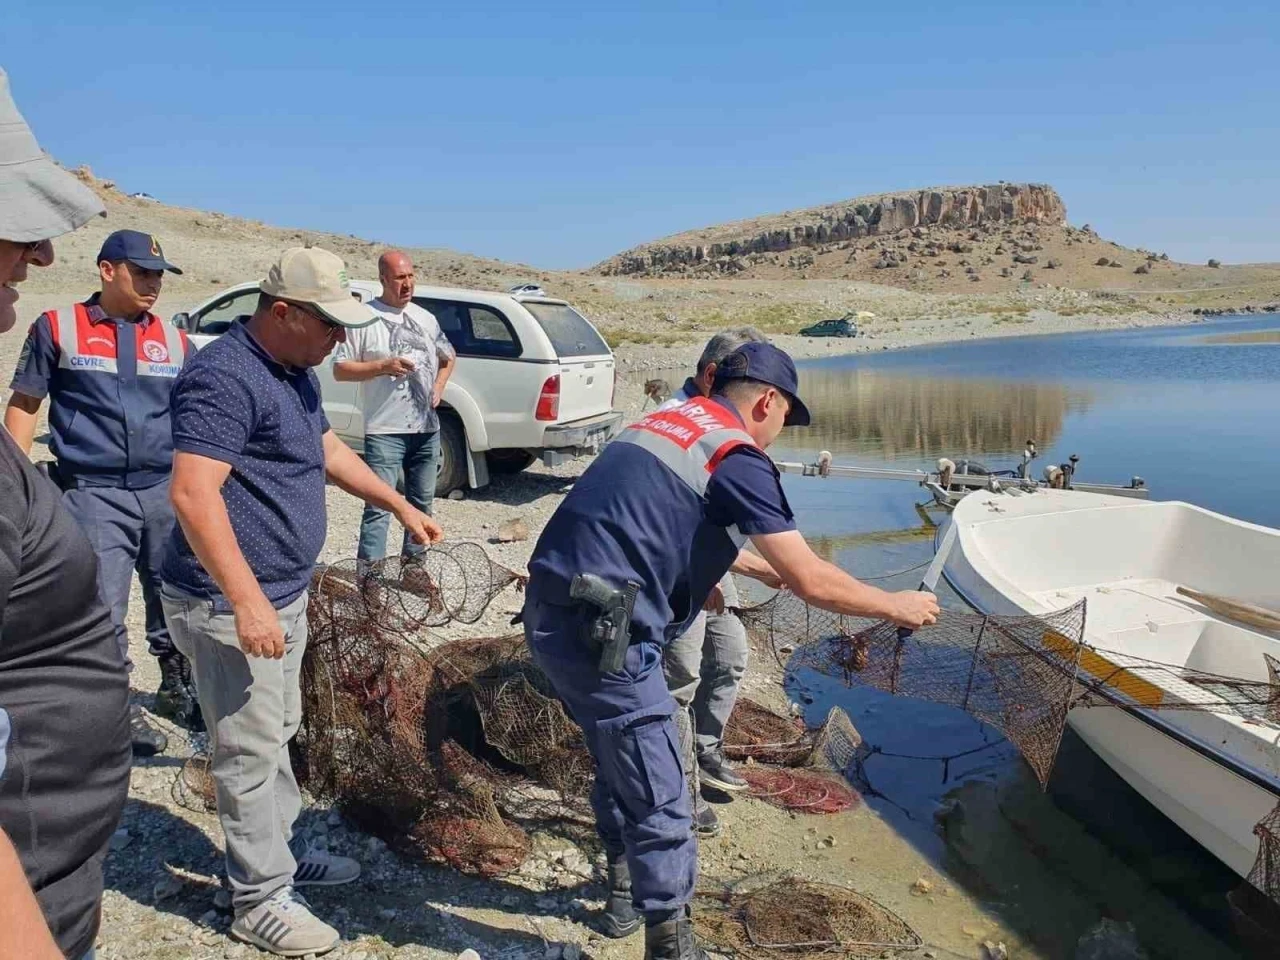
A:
(387, 454)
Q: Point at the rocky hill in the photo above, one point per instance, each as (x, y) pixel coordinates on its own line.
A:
(973, 240)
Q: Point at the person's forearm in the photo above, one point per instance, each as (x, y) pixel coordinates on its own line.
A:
(204, 519)
(750, 565)
(358, 371)
(444, 373)
(20, 420)
(353, 475)
(24, 935)
(830, 588)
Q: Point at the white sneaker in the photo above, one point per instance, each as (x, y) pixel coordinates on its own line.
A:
(283, 924)
(319, 868)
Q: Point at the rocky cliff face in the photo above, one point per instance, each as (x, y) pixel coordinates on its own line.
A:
(718, 249)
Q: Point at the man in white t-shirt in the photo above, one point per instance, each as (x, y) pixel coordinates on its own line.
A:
(402, 363)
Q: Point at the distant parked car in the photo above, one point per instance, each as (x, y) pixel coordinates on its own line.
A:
(534, 380)
(527, 290)
(844, 326)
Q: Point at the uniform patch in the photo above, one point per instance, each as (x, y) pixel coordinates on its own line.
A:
(156, 351)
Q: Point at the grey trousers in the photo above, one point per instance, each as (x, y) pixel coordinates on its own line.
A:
(252, 707)
(704, 668)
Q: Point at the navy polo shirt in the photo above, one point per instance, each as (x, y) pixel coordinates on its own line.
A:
(237, 404)
(109, 428)
(629, 517)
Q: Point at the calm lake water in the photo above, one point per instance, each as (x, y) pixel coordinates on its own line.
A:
(1194, 411)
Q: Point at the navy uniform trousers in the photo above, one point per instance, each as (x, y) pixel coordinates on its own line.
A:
(129, 530)
(641, 797)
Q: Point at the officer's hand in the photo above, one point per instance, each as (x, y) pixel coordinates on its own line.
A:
(715, 602)
(258, 628)
(397, 366)
(420, 526)
(914, 608)
(770, 579)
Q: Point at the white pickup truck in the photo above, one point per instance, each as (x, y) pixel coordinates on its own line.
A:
(534, 378)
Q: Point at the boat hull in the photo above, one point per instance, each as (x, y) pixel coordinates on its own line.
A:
(1173, 759)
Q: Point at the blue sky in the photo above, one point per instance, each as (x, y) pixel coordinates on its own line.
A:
(559, 133)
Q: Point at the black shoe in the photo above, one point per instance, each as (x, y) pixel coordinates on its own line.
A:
(147, 740)
(175, 698)
(706, 823)
(672, 940)
(714, 771)
(620, 919)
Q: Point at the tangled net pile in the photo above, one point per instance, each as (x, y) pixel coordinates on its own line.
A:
(1021, 675)
(803, 919)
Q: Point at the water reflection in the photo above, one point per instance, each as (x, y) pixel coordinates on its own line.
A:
(897, 415)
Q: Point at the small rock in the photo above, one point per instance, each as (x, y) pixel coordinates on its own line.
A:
(552, 952)
(358, 955)
(388, 913)
(222, 900)
(234, 950)
(546, 903)
(334, 819)
(320, 828)
(456, 494)
(994, 951)
(571, 951)
(930, 955)
(209, 918)
(921, 887)
(467, 954)
(513, 531)
(375, 847)
(121, 839)
(510, 900)
(1215, 263)
(166, 887)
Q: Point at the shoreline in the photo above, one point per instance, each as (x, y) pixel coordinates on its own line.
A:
(633, 358)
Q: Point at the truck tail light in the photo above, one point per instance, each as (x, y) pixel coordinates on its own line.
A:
(549, 400)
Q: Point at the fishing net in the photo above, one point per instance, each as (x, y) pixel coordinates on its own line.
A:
(801, 918)
(1019, 674)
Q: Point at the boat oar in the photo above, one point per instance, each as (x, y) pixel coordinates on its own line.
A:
(929, 583)
(1238, 610)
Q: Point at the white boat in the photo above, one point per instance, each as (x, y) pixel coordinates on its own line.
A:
(1213, 771)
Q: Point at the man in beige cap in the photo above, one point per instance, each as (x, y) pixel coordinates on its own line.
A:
(252, 451)
(64, 694)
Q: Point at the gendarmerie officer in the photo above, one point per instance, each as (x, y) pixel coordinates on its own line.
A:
(652, 526)
(107, 366)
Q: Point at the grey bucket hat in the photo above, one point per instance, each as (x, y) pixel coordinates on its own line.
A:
(38, 199)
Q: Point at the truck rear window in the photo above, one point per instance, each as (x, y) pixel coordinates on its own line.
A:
(570, 333)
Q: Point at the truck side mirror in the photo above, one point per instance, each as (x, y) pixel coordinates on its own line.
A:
(182, 321)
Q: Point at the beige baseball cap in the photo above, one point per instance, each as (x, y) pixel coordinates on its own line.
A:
(317, 278)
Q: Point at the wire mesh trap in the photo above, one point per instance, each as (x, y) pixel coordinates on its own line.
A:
(801, 918)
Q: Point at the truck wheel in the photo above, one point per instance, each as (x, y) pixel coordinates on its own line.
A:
(509, 461)
(451, 469)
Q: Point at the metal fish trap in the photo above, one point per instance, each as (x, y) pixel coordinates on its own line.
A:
(802, 918)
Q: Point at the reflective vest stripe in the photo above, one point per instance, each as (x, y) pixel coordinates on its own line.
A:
(66, 322)
(690, 440)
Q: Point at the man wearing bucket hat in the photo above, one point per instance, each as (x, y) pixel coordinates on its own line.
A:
(107, 366)
(64, 729)
(253, 451)
(623, 567)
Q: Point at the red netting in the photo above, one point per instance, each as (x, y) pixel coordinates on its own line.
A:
(806, 791)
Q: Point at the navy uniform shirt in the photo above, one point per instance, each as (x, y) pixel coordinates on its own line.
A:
(629, 517)
(108, 394)
(235, 403)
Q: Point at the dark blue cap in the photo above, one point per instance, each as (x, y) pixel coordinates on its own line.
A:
(768, 364)
(138, 248)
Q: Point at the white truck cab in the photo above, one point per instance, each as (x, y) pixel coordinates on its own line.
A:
(534, 379)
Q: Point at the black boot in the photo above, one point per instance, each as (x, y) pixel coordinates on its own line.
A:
(175, 698)
(672, 939)
(147, 740)
(620, 919)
